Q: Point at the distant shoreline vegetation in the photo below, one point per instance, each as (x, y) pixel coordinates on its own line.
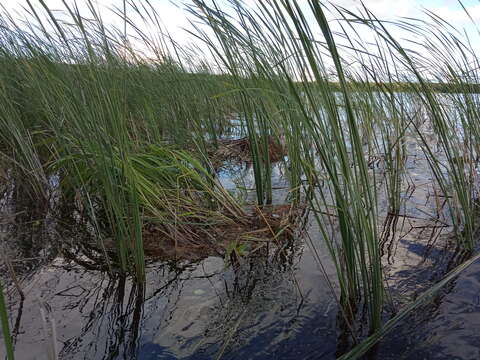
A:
(447, 88)
(171, 66)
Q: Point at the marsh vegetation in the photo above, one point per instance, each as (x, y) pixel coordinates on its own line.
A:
(130, 164)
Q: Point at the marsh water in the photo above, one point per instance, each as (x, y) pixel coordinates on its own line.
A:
(278, 305)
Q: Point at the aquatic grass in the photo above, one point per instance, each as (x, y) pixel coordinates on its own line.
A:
(129, 133)
(18, 134)
(81, 104)
(247, 76)
(318, 122)
(336, 134)
(456, 175)
(5, 326)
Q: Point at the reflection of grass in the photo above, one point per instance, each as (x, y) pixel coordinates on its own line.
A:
(5, 327)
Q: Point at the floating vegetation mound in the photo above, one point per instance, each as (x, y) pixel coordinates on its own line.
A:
(186, 213)
(240, 150)
(263, 227)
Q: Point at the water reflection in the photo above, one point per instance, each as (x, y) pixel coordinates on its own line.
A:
(192, 310)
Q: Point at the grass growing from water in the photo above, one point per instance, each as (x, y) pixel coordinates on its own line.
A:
(337, 130)
(88, 111)
(320, 125)
(127, 138)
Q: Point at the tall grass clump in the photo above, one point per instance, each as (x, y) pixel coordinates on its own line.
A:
(344, 107)
(115, 131)
(451, 65)
(121, 123)
(276, 44)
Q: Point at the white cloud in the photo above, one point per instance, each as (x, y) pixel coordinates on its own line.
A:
(458, 16)
(382, 8)
(174, 18)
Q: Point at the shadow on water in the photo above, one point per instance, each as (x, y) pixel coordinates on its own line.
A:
(444, 328)
(272, 303)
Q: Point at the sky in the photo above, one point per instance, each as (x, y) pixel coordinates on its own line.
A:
(173, 16)
(175, 19)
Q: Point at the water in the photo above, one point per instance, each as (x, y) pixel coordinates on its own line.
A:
(265, 307)
(445, 328)
(276, 305)
(269, 307)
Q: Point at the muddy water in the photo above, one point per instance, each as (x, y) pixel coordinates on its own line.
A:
(275, 306)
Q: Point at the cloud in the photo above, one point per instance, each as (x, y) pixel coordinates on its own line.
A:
(174, 18)
(458, 16)
(385, 9)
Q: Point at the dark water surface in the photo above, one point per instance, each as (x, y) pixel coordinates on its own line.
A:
(275, 306)
(263, 308)
(269, 307)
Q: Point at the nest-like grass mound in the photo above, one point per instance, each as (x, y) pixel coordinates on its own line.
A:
(262, 226)
(240, 150)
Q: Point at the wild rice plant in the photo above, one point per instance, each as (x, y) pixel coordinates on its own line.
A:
(128, 134)
(272, 53)
(455, 177)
